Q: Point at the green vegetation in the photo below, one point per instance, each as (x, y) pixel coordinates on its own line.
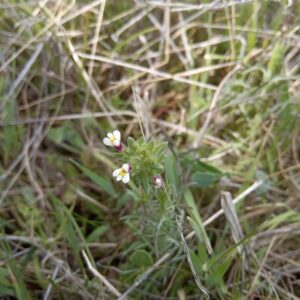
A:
(206, 96)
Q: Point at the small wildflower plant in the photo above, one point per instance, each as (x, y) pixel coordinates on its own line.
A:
(142, 162)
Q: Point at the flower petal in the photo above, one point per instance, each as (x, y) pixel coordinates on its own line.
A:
(109, 134)
(116, 172)
(126, 178)
(116, 143)
(119, 178)
(117, 134)
(107, 142)
(125, 167)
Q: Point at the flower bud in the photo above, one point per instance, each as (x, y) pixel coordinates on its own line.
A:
(158, 182)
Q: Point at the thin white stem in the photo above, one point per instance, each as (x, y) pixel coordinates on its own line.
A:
(144, 276)
(213, 105)
(134, 92)
(151, 71)
(109, 286)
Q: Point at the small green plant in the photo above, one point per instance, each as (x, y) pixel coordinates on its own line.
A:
(143, 162)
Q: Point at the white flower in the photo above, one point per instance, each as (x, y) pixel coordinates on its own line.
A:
(158, 182)
(122, 173)
(113, 139)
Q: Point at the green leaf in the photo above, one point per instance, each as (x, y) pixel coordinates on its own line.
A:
(196, 262)
(28, 195)
(12, 135)
(71, 230)
(266, 185)
(130, 141)
(66, 133)
(6, 288)
(196, 221)
(141, 259)
(219, 270)
(161, 148)
(202, 253)
(202, 180)
(15, 271)
(56, 135)
(203, 174)
(28, 258)
(206, 168)
(171, 171)
(72, 238)
(101, 181)
(95, 235)
(276, 57)
(288, 216)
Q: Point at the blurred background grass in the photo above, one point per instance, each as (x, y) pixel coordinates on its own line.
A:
(217, 80)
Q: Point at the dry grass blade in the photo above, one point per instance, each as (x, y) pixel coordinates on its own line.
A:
(35, 38)
(109, 286)
(213, 105)
(142, 69)
(144, 276)
(69, 117)
(22, 74)
(231, 216)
